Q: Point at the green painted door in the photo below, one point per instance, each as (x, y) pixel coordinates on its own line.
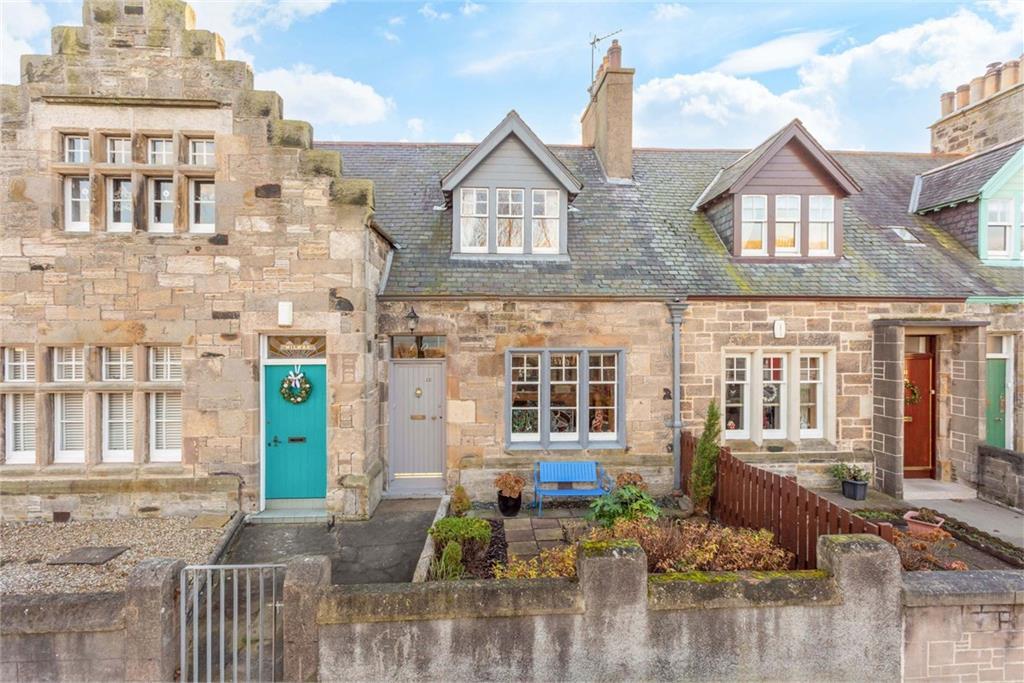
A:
(995, 404)
(295, 436)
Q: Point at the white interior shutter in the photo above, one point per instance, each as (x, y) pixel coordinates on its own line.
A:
(71, 412)
(23, 422)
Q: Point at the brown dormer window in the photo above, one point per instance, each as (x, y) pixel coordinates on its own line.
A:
(822, 225)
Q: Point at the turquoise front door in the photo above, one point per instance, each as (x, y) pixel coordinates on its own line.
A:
(995, 403)
(295, 436)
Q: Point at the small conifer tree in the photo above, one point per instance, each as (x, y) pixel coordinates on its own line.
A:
(705, 461)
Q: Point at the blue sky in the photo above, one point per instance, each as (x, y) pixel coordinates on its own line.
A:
(860, 75)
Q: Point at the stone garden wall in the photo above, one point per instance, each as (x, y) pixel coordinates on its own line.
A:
(1001, 476)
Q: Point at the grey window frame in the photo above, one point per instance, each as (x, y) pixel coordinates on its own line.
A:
(583, 406)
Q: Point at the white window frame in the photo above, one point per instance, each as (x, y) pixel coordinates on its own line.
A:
(114, 154)
(742, 431)
(19, 360)
(202, 152)
(745, 220)
(163, 366)
(119, 226)
(830, 225)
(165, 157)
(795, 249)
(474, 249)
(123, 360)
(84, 204)
(564, 436)
(614, 383)
(62, 363)
(75, 155)
(1006, 226)
(154, 226)
(128, 422)
(544, 216)
(511, 215)
(531, 437)
(20, 456)
(783, 384)
(819, 394)
(162, 454)
(194, 202)
(66, 455)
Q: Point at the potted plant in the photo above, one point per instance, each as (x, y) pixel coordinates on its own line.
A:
(923, 521)
(510, 493)
(854, 480)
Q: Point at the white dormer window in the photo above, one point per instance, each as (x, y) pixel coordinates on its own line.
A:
(1000, 227)
(755, 225)
(161, 151)
(787, 224)
(473, 225)
(821, 226)
(545, 225)
(510, 221)
(76, 149)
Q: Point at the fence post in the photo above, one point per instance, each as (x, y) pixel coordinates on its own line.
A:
(303, 580)
(151, 620)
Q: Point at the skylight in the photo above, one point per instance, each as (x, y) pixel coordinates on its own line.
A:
(904, 235)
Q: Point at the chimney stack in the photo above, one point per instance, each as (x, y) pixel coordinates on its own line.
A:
(982, 113)
(608, 119)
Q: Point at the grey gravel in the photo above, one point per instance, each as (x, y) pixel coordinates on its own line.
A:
(26, 547)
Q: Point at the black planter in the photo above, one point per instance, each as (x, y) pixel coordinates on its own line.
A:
(509, 506)
(855, 490)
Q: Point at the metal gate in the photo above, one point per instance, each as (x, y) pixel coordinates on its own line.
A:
(230, 625)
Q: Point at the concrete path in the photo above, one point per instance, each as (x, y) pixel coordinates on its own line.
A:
(383, 549)
(994, 519)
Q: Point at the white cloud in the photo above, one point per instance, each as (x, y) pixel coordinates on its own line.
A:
(389, 36)
(416, 126)
(670, 11)
(463, 136)
(508, 59)
(328, 101)
(432, 14)
(396, 21)
(865, 96)
(780, 53)
(241, 22)
(470, 8)
(24, 29)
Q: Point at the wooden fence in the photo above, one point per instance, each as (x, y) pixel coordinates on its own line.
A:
(755, 498)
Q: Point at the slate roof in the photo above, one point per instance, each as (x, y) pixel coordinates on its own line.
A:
(962, 179)
(643, 240)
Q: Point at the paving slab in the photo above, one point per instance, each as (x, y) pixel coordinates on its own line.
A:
(522, 549)
(209, 520)
(545, 523)
(548, 534)
(514, 535)
(517, 523)
(90, 554)
(383, 549)
(544, 545)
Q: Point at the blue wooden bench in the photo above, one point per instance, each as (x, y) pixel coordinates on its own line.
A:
(556, 473)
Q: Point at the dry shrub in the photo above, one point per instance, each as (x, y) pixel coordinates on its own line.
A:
(631, 479)
(460, 502)
(688, 546)
(924, 551)
(552, 563)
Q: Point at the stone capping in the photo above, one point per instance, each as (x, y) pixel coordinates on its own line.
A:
(427, 554)
(30, 613)
(721, 590)
(927, 322)
(125, 101)
(1015, 459)
(104, 485)
(975, 587)
(475, 599)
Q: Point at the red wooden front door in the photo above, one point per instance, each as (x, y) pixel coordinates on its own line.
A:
(918, 411)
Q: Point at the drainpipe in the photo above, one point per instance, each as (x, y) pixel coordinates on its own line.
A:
(676, 307)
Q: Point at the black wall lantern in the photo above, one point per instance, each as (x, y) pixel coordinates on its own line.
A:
(411, 319)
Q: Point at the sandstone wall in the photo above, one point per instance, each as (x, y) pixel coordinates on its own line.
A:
(991, 121)
(289, 227)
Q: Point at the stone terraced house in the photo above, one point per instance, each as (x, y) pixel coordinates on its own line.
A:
(201, 307)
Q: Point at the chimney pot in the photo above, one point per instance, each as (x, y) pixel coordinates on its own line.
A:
(615, 55)
(946, 103)
(963, 96)
(1010, 75)
(977, 89)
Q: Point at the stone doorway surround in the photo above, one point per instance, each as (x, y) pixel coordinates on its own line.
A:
(960, 355)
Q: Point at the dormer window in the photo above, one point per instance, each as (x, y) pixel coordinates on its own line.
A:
(1000, 227)
(755, 224)
(510, 221)
(787, 224)
(546, 207)
(821, 228)
(473, 226)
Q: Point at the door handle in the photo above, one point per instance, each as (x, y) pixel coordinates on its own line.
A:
(908, 418)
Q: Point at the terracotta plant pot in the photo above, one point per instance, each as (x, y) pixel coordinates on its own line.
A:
(915, 525)
(855, 490)
(509, 506)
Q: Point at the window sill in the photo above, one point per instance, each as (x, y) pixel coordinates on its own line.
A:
(537, 447)
(1000, 262)
(482, 256)
(786, 259)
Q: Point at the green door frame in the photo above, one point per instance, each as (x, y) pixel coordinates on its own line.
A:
(265, 361)
(1005, 354)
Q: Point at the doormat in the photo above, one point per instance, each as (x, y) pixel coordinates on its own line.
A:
(90, 554)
